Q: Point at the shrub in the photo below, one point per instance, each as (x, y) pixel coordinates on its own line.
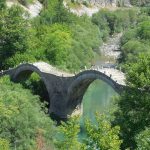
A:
(22, 116)
(143, 139)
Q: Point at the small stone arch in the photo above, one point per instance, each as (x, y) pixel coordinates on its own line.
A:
(80, 84)
(24, 71)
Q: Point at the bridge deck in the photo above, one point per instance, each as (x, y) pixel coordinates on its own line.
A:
(115, 74)
(46, 68)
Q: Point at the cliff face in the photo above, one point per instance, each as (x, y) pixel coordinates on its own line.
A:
(113, 3)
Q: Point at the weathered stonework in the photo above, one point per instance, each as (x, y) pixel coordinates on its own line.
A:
(65, 91)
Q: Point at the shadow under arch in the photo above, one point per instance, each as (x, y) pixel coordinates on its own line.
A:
(24, 72)
(81, 83)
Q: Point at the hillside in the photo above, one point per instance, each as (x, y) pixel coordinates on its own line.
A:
(36, 97)
(32, 8)
(79, 7)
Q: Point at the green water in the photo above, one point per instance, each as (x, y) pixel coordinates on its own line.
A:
(98, 98)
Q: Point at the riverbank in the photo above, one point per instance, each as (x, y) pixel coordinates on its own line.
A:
(110, 51)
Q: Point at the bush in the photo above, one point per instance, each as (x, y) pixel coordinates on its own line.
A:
(22, 117)
(4, 144)
(144, 30)
(13, 33)
(131, 34)
(117, 21)
(101, 135)
(132, 49)
(143, 140)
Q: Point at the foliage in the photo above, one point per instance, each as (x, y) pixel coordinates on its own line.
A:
(2, 4)
(64, 44)
(138, 74)
(130, 34)
(134, 103)
(22, 117)
(67, 138)
(136, 41)
(25, 2)
(140, 2)
(36, 85)
(4, 144)
(144, 30)
(101, 135)
(13, 33)
(58, 44)
(98, 136)
(110, 22)
(55, 12)
(143, 139)
(132, 49)
(17, 59)
(83, 47)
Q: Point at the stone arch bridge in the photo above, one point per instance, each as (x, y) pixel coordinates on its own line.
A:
(66, 90)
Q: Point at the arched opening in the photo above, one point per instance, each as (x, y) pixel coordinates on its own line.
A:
(91, 91)
(81, 83)
(32, 80)
(99, 97)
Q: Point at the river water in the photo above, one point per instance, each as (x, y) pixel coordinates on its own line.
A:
(98, 98)
(99, 95)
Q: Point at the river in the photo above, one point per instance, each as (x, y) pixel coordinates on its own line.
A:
(99, 95)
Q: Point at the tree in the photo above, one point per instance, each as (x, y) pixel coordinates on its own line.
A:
(144, 30)
(58, 44)
(13, 33)
(132, 49)
(133, 115)
(101, 135)
(23, 120)
(2, 4)
(4, 144)
(55, 12)
(67, 138)
(142, 139)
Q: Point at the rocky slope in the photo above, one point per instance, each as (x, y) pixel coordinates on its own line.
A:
(90, 7)
(33, 9)
(105, 3)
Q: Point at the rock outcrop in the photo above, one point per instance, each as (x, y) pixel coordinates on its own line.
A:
(109, 3)
(33, 9)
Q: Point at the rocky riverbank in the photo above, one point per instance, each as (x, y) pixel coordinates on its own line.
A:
(110, 50)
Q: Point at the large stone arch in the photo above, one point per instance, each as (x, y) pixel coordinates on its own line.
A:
(80, 84)
(23, 72)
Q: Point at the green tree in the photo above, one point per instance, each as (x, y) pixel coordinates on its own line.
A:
(144, 30)
(102, 135)
(67, 138)
(142, 139)
(58, 44)
(55, 12)
(2, 4)
(133, 115)
(4, 144)
(23, 121)
(13, 33)
(132, 49)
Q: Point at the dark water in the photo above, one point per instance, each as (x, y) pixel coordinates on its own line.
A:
(98, 98)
